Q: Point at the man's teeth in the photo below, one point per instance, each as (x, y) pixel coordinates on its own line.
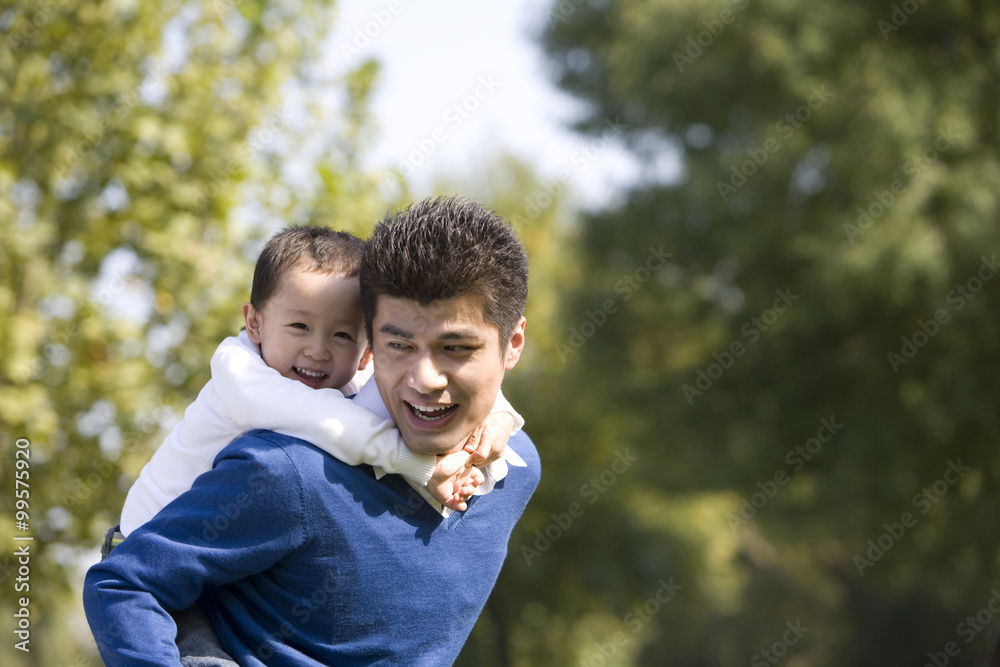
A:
(311, 374)
(425, 411)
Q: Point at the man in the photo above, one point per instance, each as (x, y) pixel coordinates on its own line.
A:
(309, 561)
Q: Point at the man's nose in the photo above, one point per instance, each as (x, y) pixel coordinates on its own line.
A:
(425, 376)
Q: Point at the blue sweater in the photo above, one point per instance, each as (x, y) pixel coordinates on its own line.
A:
(299, 559)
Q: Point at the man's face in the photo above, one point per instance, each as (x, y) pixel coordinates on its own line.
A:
(311, 329)
(439, 367)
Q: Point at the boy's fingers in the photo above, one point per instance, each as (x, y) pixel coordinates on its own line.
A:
(474, 445)
(483, 452)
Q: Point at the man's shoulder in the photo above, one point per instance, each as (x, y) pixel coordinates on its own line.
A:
(522, 444)
(268, 447)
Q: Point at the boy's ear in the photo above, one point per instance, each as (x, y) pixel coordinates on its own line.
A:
(252, 318)
(366, 359)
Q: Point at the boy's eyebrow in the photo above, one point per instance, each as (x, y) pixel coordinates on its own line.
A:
(293, 312)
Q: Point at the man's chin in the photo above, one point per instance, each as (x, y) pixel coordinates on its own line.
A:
(432, 445)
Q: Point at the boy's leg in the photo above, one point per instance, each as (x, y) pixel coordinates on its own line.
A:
(112, 538)
(197, 642)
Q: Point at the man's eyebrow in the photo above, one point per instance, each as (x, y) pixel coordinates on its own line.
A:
(461, 334)
(392, 330)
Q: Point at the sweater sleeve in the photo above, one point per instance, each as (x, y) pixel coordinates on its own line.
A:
(255, 396)
(237, 520)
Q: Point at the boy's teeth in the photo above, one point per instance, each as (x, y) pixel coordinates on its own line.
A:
(310, 374)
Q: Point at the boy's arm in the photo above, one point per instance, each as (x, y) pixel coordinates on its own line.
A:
(487, 442)
(253, 396)
(163, 565)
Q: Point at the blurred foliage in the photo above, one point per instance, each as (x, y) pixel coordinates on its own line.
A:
(846, 155)
(692, 505)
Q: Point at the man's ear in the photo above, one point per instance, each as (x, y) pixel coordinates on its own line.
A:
(515, 346)
(366, 359)
(253, 321)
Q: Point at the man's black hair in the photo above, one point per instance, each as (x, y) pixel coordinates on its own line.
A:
(444, 248)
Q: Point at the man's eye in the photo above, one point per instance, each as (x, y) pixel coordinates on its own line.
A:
(396, 346)
(461, 349)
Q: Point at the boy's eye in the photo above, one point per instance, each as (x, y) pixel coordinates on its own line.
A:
(343, 334)
(299, 325)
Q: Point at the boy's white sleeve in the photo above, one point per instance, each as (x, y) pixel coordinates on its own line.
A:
(253, 396)
(503, 405)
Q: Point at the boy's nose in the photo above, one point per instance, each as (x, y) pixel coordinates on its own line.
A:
(318, 350)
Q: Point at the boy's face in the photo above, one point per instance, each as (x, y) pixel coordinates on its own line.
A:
(439, 367)
(311, 329)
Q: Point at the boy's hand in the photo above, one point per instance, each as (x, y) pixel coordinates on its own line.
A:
(454, 480)
(487, 442)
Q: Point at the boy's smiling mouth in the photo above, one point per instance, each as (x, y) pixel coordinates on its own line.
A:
(310, 377)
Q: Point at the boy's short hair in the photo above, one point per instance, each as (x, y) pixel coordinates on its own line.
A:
(311, 249)
(444, 248)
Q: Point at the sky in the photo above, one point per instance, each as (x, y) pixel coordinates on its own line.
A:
(464, 82)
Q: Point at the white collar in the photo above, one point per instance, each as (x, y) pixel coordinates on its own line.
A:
(370, 398)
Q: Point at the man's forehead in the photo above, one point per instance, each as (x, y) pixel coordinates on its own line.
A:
(459, 317)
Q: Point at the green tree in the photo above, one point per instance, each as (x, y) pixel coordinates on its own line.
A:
(800, 374)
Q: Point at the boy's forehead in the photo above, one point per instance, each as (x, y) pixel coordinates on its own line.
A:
(315, 292)
(302, 278)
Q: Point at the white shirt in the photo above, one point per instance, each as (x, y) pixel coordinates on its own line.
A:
(246, 394)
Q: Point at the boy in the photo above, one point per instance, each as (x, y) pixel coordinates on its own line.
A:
(304, 349)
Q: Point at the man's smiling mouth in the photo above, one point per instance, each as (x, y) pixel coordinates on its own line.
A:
(431, 413)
